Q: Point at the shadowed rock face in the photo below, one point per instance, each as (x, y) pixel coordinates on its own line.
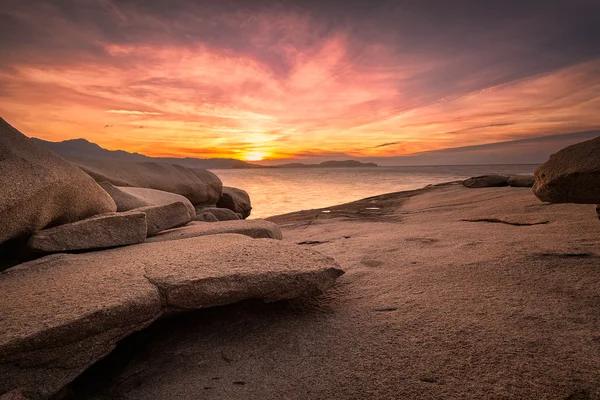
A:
(62, 313)
(258, 229)
(206, 217)
(40, 189)
(200, 187)
(100, 232)
(486, 181)
(571, 176)
(237, 200)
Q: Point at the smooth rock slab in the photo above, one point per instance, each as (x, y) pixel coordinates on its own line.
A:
(153, 197)
(571, 175)
(486, 181)
(123, 200)
(257, 229)
(237, 200)
(100, 232)
(63, 312)
(521, 181)
(160, 218)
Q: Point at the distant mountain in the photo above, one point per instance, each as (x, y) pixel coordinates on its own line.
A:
(83, 148)
(329, 164)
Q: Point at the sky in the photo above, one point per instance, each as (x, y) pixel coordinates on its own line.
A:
(302, 80)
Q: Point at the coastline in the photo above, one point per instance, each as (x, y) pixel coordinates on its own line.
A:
(449, 292)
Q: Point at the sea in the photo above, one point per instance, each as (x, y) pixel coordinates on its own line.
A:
(275, 191)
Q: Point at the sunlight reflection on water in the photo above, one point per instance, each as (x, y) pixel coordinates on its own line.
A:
(279, 191)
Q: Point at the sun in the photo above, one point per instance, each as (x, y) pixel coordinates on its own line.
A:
(255, 155)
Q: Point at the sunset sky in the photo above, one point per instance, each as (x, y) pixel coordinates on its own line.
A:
(298, 79)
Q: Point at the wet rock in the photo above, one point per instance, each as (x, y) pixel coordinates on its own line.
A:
(200, 187)
(571, 175)
(486, 181)
(254, 228)
(160, 218)
(100, 232)
(40, 189)
(237, 200)
(222, 214)
(62, 313)
(521, 181)
(154, 197)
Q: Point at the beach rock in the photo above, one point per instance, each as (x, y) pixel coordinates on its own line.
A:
(40, 189)
(154, 197)
(100, 232)
(571, 175)
(222, 214)
(63, 312)
(486, 181)
(198, 186)
(123, 200)
(254, 228)
(160, 218)
(214, 186)
(521, 181)
(237, 200)
(206, 217)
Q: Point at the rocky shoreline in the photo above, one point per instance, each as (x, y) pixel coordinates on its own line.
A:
(472, 289)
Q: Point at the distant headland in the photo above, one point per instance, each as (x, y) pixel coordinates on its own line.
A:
(329, 164)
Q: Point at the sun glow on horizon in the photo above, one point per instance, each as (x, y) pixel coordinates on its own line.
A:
(255, 156)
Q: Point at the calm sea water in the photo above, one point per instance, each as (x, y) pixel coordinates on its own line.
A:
(279, 191)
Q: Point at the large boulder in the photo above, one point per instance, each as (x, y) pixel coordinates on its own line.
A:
(237, 200)
(100, 232)
(200, 187)
(571, 176)
(257, 229)
(160, 218)
(39, 189)
(222, 214)
(154, 197)
(525, 181)
(62, 313)
(486, 181)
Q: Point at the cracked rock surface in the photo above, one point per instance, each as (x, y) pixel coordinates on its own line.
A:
(62, 313)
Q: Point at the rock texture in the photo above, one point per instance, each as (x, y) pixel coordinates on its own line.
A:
(62, 313)
(154, 197)
(160, 218)
(254, 228)
(430, 307)
(200, 187)
(206, 217)
(486, 181)
(598, 210)
(222, 214)
(237, 200)
(571, 175)
(39, 189)
(521, 181)
(100, 232)
(124, 201)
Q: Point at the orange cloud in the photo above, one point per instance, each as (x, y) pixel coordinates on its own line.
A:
(302, 91)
